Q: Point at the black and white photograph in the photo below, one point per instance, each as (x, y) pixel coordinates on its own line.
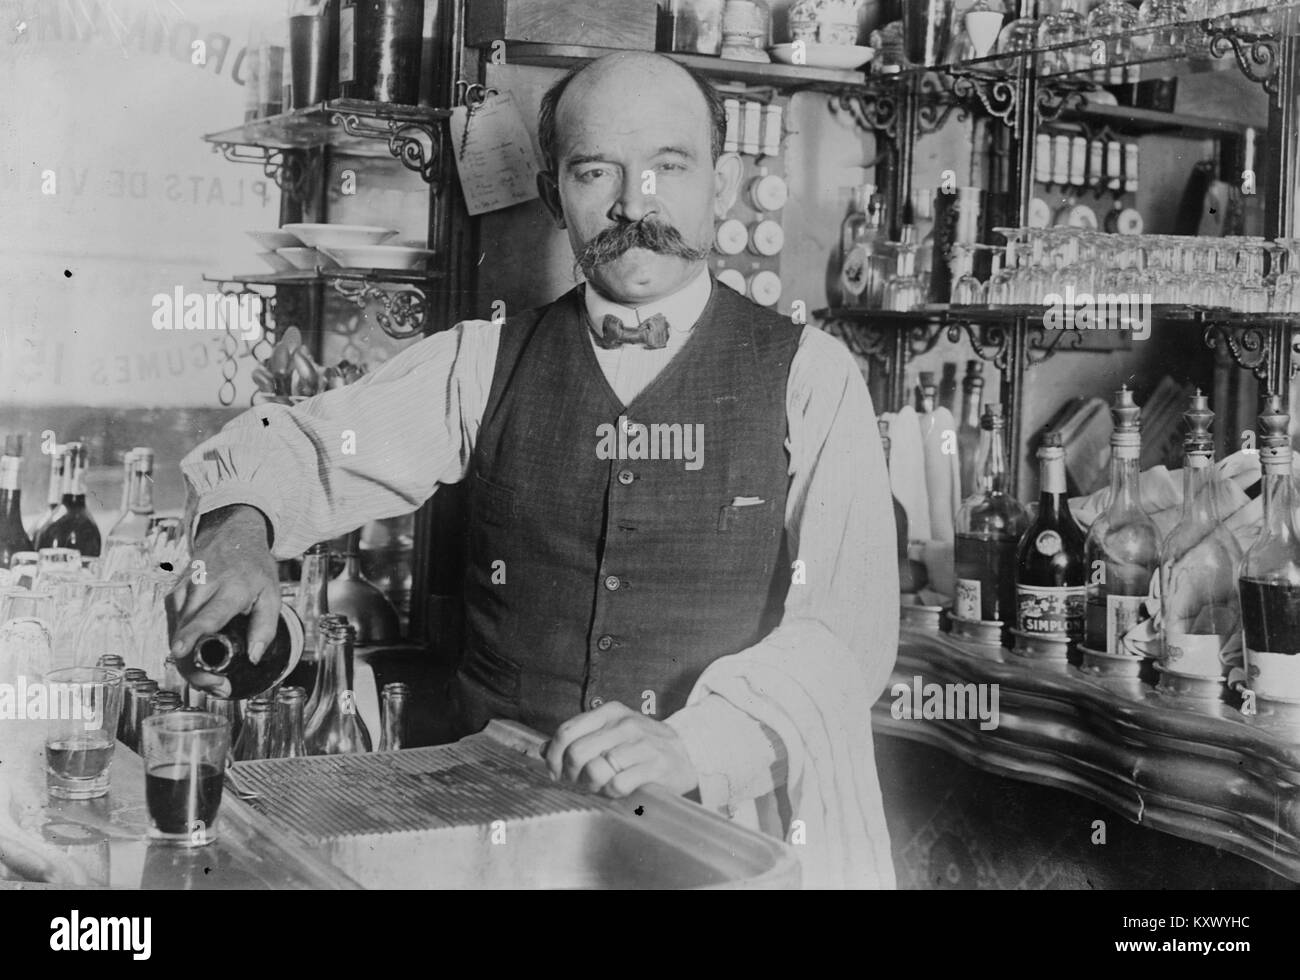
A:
(644, 445)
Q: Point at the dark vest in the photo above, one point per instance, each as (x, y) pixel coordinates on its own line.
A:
(595, 579)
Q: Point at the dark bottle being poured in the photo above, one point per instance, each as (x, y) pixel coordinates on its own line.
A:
(989, 526)
(13, 538)
(1269, 581)
(74, 528)
(1051, 577)
(224, 656)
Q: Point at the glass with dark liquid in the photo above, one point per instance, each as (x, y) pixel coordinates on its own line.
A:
(185, 763)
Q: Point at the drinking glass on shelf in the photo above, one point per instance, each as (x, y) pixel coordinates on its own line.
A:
(26, 639)
(185, 764)
(998, 288)
(1165, 19)
(966, 289)
(1014, 40)
(1062, 33)
(1109, 21)
(58, 559)
(81, 729)
(24, 565)
(1287, 281)
(106, 625)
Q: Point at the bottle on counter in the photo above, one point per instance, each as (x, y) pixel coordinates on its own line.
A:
(335, 728)
(225, 654)
(989, 528)
(287, 724)
(54, 495)
(74, 527)
(1051, 576)
(1200, 613)
(1123, 547)
(911, 574)
(132, 524)
(255, 737)
(968, 430)
(1269, 580)
(311, 604)
(860, 270)
(393, 709)
(13, 537)
(942, 474)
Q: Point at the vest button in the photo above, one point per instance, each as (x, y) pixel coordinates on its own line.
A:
(625, 477)
(596, 702)
(605, 642)
(612, 583)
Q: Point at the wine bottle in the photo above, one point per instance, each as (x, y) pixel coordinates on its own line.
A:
(1123, 546)
(911, 575)
(54, 495)
(393, 710)
(225, 654)
(1269, 580)
(336, 728)
(1051, 577)
(1200, 612)
(132, 524)
(989, 527)
(74, 528)
(13, 537)
(968, 432)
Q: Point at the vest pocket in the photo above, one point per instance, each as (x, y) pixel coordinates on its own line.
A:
(491, 672)
(492, 503)
(740, 518)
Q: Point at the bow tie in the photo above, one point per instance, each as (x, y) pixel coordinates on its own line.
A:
(613, 333)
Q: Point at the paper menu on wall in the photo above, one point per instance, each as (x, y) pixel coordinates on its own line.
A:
(496, 161)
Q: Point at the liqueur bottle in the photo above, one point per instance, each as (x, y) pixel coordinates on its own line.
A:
(137, 513)
(13, 537)
(989, 527)
(1269, 580)
(74, 528)
(1123, 546)
(968, 431)
(1198, 571)
(54, 495)
(335, 728)
(1051, 577)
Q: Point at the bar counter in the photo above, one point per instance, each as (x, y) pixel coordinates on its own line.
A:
(1202, 772)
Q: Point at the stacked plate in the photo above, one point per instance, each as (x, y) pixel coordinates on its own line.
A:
(309, 247)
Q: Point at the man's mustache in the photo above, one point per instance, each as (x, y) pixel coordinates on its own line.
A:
(653, 236)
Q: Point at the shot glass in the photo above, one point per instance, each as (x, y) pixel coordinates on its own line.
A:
(81, 709)
(185, 765)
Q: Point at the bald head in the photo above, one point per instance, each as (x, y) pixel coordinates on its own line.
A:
(604, 85)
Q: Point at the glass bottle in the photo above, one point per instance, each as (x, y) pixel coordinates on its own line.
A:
(54, 495)
(1198, 572)
(74, 528)
(989, 527)
(225, 653)
(321, 687)
(133, 523)
(1123, 549)
(311, 603)
(255, 736)
(908, 580)
(1051, 577)
(968, 430)
(225, 708)
(164, 701)
(1269, 579)
(352, 594)
(13, 537)
(336, 728)
(861, 274)
(287, 724)
(136, 709)
(393, 709)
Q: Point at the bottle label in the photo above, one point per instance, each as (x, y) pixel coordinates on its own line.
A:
(9, 472)
(1055, 609)
(1123, 612)
(347, 43)
(1274, 675)
(966, 603)
(1196, 654)
(1048, 543)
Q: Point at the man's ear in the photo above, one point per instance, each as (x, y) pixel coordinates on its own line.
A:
(727, 173)
(549, 191)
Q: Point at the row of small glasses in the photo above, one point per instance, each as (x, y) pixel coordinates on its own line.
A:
(1173, 269)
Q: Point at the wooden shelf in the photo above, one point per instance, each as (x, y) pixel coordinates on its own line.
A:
(775, 75)
(1200, 771)
(1142, 122)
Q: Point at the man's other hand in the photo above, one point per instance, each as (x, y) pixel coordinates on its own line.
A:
(240, 576)
(615, 751)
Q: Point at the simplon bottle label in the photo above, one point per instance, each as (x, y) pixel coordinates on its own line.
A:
(1051, 609)
(1193, 654)
(1274, 675)
(967, 601)
(1123, 612)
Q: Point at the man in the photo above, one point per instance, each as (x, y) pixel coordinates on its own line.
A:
(743, 589)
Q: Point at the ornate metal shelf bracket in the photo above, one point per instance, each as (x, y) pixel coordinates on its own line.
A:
(990, 341)
(404, 311)
(1039, 349)
(291, 172)
(870, 109)
(1249, 346)
(1053, 100)
(1256, 54)
(867, 342)
(406, 141)
(936, 104)
(996, 94)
